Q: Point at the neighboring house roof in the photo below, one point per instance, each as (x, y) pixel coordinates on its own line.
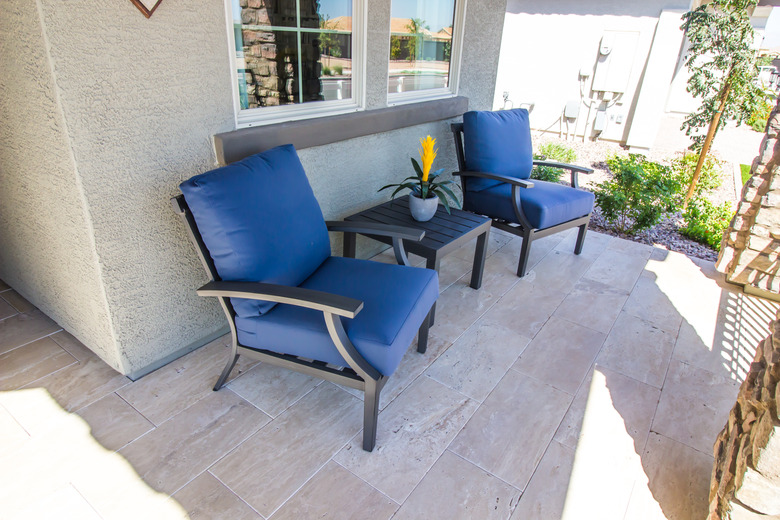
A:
(398, 26)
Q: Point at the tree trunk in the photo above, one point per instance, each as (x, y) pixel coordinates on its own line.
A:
(705, 149)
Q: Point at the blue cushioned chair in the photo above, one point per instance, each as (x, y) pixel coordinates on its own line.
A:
(261, 236)
(495, 161)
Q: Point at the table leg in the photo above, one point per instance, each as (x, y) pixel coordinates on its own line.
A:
(350, 245)
(479, 261)
(435, 264)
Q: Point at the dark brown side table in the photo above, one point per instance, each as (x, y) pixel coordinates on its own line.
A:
(444, 233)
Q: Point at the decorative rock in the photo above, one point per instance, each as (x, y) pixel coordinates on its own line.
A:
(757, 492)
(740, 512)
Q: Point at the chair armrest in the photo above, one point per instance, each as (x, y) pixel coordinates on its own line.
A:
(523, 183)
(299, 296)
(573, 169)
(375, 228)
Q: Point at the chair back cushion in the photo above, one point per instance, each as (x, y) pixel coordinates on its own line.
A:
(497, 142)
(260, 222)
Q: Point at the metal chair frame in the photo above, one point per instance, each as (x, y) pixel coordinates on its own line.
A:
(359, 374)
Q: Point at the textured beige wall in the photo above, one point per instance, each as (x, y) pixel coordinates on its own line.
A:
(46, 243)
(139, 100)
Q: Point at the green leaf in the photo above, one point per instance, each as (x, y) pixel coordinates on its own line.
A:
(417, 168)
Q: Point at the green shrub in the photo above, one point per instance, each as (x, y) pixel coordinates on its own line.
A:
(338, 70)
(744, 169)
(552, 152)
(638, 194)
(326, 70)
(710, 177)
(757, 120)
(705, 222)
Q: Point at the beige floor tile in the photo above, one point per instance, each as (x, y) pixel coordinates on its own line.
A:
(25, 328)
(460, 306)
(616, 269)
(649, 302)
(630, 247)
(525, 308)
(82, 383)
(73, 346)
(561, 354)
(510, 431)
(457, 489)
(11, 432)
(65, 503)
(6, 310)
(414, 430)
(17, 301)
(634, 401)
(176, 452)
(675, 485)
(174, 387)
(691, 388)
(725, 338)
(31, 362)
(497, 239)
(114, 423)
(638, 349)
(205, 498)
(595, 243)
(412, 365)
(453, 269)
(545, 495)
(478, 360)
(272, 389)
(334, 492)
(559, 271)
(274, 463)
(592, 304)
(540, 248)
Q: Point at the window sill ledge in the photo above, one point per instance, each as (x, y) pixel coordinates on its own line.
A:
(234, 146)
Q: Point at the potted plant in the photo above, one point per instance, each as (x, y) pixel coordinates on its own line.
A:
(426, 191)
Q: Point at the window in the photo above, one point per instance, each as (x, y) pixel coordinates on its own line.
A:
(296, 58)
(424, 49)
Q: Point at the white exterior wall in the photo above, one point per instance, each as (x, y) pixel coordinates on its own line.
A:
(545, 45)
(105, 112)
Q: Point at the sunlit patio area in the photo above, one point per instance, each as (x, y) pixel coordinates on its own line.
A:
(592, 388)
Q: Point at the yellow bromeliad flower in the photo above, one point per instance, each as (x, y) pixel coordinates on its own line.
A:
(427, 154)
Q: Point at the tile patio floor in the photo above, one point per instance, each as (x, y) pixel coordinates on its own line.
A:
(593, 388)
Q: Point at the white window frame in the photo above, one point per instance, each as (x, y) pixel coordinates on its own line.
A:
(451, 90)
(293, 112)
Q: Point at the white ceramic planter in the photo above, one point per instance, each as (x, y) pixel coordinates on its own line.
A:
(423, 209)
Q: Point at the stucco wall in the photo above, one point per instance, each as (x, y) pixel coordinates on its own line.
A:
(46, 240)
(546, 44)
(139, 101)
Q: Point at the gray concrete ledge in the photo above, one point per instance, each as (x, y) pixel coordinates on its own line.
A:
(234, 146)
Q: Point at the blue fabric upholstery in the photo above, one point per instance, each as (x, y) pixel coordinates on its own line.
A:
(545, 205)
(260, 222)
(396, 301)
(497, 142)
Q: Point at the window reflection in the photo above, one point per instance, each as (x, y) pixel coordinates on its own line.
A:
(420, 44)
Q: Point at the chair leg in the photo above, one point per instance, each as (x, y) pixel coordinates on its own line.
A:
(525, 251)
(370, 414)
(226, 372)
(422, 334)
(580, 239)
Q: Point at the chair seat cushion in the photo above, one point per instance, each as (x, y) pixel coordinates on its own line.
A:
(497, 142)
(396, 300)
(545, 205)
(260, 222)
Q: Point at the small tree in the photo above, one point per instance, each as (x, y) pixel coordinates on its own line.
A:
(415, 27)
(329, 42)
(722, 62)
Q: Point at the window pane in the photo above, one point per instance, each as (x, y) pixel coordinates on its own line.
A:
(420, 44)
(282, 60)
